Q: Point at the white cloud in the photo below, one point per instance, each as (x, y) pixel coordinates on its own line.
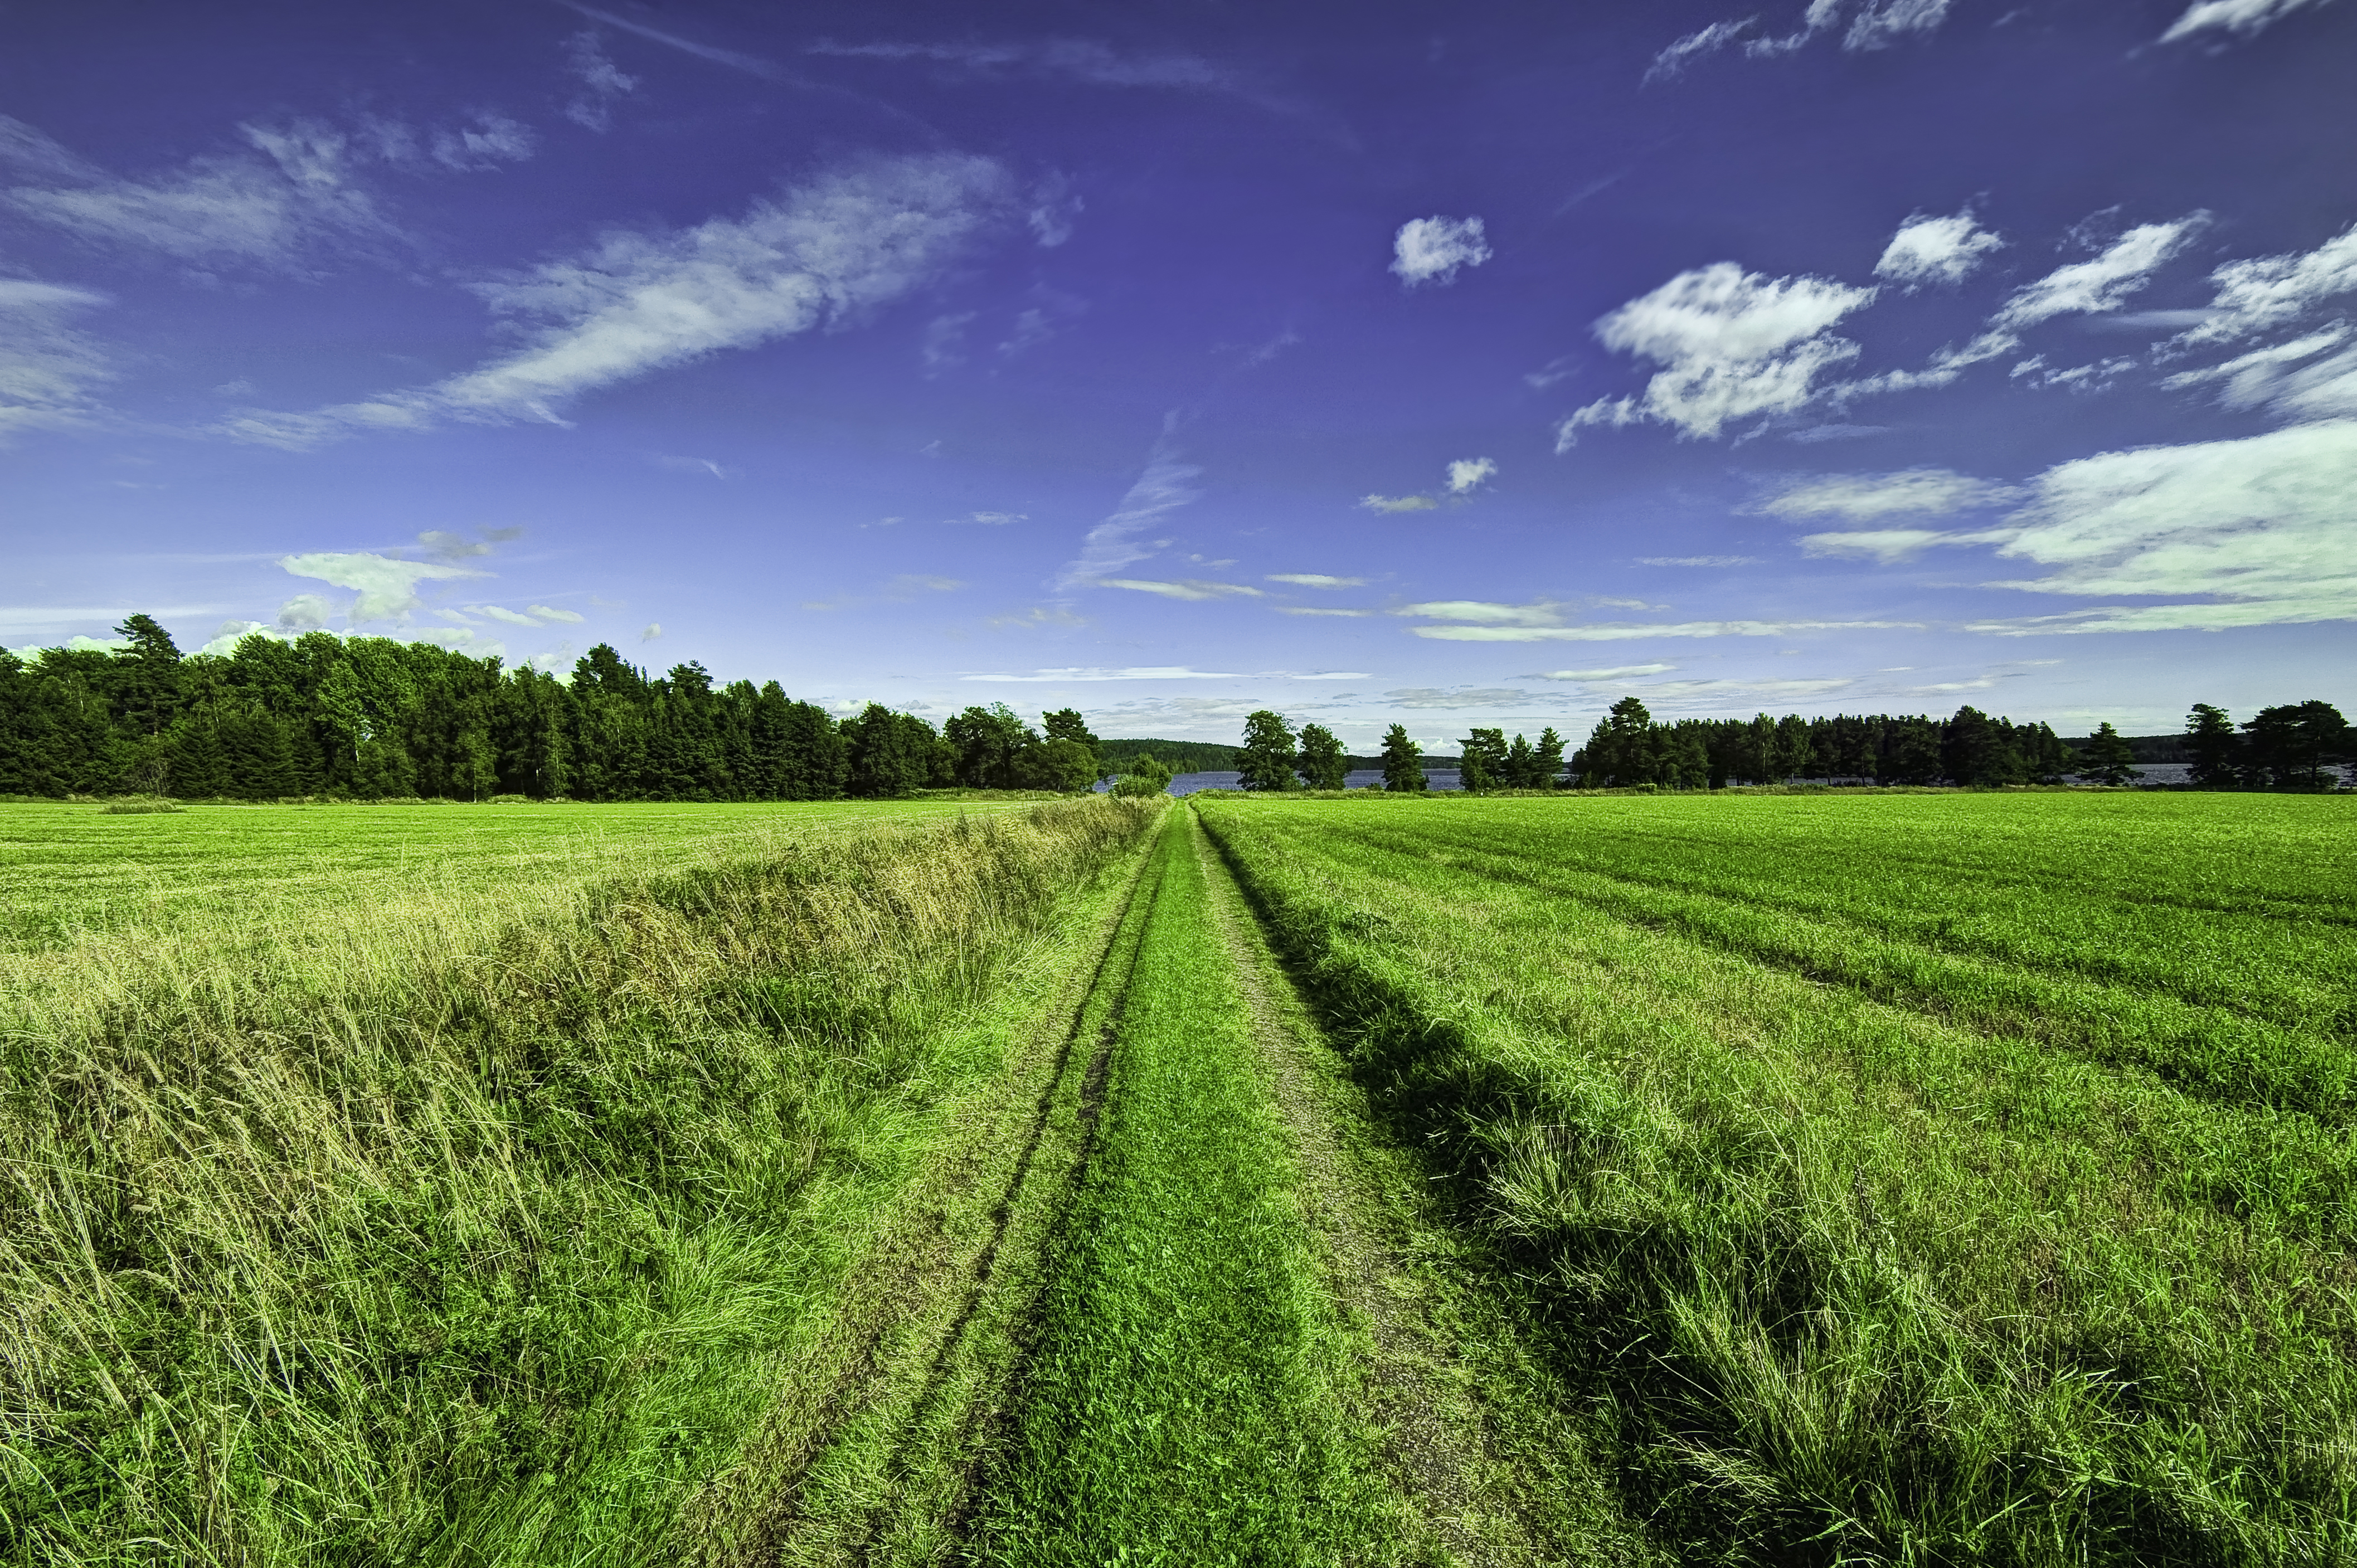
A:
(1936, 249)
(1189, 588)
(2242, 17)
(485, 142)
(1873, 25)
(545, 613)
(1615, 672)
(1623, 631)
(2267, 291)
(1921, 493)
(1135, 673)
(303, 612)
(1315, 580)
(989, 519)
(2102, 283)
(512, 617)
(1455, 697)
(1730, 343)
(1708, 40)
(752, 65)
(387, 588)
(1468, 474)
(1398, 503)
(945, 344)
(1890, 546)
(45, 367)
(1697, 560)
(823, 255)
(1318, 610)
(292, 192)
(1431, 250)
(1165, 487)
(1542, 613)
(601, 81)
(2261, 523)
(654, 629)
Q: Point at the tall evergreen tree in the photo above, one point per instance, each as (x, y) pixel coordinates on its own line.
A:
(2293, 746)
(1402, 773)
(2108, 759)
(1484, 757)
(2216, 749)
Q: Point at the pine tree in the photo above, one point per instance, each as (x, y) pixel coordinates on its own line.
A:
(2217, 750)
(2108, 759)
(1401, 772)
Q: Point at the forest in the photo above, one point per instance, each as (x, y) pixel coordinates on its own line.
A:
(372, 718)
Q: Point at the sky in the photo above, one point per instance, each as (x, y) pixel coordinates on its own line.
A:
(1448, 365)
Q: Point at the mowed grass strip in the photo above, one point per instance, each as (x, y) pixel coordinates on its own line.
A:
(472, 1242)
(1855, 1282)
(1180, 1405)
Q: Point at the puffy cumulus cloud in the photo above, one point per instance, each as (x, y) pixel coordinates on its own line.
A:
(1189, 588)
(823, 255)
(1918, 492)
(1315, 580)
(2239, 533)
(303, 612)
(1167, 484)
(1431, 250)
(653, 630)
(2102, 283)
(1398, 503)
(1626, 631)
(1730, 344)
(2242, 17)
(1454, 696)
(46, 368)
(1466, 474)
(601, 82)
(387, 586)
(1936, 251)
(2269, 291)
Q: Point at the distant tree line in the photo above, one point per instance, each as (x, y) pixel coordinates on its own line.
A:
(372, 718)
(2295, 746)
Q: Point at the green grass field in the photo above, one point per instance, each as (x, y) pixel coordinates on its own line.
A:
(1911, 1177)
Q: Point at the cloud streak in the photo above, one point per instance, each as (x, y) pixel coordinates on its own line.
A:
(1167, 484)
(823, 255)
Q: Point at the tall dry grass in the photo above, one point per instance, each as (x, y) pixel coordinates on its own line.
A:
(331, 1239)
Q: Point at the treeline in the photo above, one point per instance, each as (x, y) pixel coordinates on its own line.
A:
(370, 718)
(2298, 745)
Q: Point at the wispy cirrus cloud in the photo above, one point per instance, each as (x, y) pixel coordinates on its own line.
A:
(824, 254)
(1186, 588)
(1167, 484)
(1612, 673)
(1910, 492)
(1626, 631)
(1315, 580)
(752, 65)
(1697, 560)
(1873, 25)
(1455, 697)
(1095, 672)
(601, 82)
(2241, 17)
(47, 367)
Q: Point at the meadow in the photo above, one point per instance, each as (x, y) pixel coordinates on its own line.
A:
(1915, 1177)
(1743, 1177)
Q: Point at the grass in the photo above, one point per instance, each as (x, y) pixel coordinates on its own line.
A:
(393, 1224)
(1903, 1177)
(1180, 1405)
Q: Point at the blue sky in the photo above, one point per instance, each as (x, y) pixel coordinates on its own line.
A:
(1448, 365)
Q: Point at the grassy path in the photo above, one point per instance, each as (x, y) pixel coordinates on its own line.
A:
(1175, 1303)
